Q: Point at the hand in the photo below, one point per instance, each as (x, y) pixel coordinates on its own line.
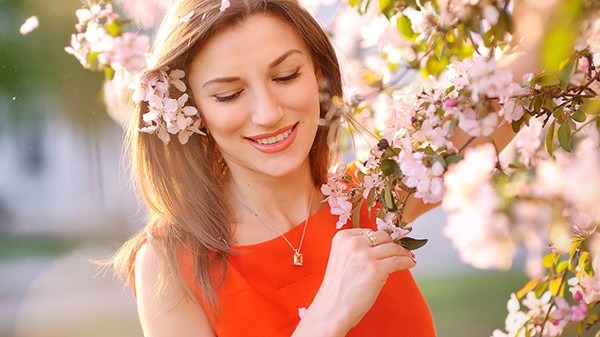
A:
(358, 268)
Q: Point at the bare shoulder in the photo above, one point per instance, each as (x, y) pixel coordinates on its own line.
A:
(164, 307)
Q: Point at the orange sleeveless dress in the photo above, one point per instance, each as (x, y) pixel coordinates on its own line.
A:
(263, 291)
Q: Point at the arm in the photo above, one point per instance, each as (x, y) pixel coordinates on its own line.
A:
(170, 312)
(355, 274)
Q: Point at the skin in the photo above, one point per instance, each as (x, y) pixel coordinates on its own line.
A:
(273, 184)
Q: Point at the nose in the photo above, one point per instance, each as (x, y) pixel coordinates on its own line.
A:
(266, 107)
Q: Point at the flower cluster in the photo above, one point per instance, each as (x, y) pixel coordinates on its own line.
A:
(168, 112)
(101, 44)
(547, 311)
(418, 145)
(494, 206)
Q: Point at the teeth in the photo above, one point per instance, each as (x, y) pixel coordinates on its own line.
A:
(276, 139)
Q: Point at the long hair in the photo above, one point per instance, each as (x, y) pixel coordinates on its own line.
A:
(183, 185)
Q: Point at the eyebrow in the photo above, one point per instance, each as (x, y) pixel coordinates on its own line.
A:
(273, 64)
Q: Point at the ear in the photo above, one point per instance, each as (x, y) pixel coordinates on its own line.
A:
(318, 73)
(319, 77)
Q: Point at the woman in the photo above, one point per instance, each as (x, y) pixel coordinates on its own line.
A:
(238, 241)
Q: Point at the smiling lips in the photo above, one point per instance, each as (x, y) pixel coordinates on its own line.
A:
(276, 141)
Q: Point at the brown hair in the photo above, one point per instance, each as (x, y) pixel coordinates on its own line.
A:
(183, 185)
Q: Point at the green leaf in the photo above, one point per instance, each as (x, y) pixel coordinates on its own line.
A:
(562, 265)
(390, 152)
(541, 289)
(434, 66)
(109, 73)
(405, 27)
(528, 287)
(556, 287)
(412, 244)
(92, 59)
(388, 199)
(558, 114)
(113, 28)
(579, 116)
(550, 259)
(548, 79)
(356, 215)
(371, 198)
(591, 106)
(550, 138)
(387, 8)
(389, 167)
(564, 136)
(575, 243)
(566, 72)
(560, 37)
(516, 125)
(453, 159)
(558, 46)
(537, 104)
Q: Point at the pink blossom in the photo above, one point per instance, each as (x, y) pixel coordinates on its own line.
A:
(561, 315)
(579, 312)
(146, 13)
(166, 115)
(450, 103)
(491, 14)
(476, 126)
(129, 52)
(591, 287)
(369, 182)
(426, 180)
(388, 224)
(342, 207)
(511, 109)
(529, 140)
(334, 190)
(482, 235)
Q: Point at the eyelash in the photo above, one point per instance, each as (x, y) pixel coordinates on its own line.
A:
(224, 99)
(290, 77)
(283, 79)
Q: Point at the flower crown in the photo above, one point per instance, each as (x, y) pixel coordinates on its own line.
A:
(167, 112)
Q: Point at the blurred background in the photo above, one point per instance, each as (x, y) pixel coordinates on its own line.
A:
(65, 200)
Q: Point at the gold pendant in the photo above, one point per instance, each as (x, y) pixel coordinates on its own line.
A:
(298, 258)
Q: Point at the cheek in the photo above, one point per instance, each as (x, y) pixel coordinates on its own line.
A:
(222, 120)
(305, 99)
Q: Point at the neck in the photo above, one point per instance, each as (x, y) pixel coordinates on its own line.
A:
(280, 201)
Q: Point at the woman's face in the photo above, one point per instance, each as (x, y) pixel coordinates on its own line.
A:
(257, 89)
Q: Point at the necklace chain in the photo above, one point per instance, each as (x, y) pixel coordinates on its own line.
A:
(298, 257)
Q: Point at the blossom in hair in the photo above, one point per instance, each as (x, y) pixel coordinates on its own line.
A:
(168, 112)
(224, 5)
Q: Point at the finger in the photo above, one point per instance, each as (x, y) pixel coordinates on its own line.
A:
(389, 249)
(395, 263)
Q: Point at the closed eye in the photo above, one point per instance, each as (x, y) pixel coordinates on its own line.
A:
(288, 78)
(228, 98)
